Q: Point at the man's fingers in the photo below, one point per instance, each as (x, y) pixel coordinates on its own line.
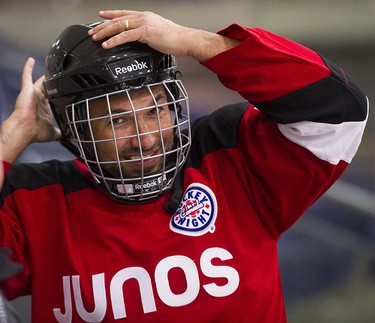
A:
(27, 73)
(119, 31)
(39, 82)
(111, 14)
(121, 38)
(113, 27)
(129, 26)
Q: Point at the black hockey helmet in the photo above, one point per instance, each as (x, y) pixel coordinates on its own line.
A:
(79, 70)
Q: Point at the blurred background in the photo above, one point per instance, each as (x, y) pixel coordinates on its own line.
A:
(327, 259)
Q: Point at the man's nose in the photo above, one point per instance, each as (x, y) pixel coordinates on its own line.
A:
(146, 135)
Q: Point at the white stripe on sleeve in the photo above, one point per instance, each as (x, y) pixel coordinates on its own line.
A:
(329, 142)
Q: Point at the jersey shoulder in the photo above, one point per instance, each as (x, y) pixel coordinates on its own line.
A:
(32, 176)
(216, 131)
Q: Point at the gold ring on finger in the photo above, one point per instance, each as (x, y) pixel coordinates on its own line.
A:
(126, 24)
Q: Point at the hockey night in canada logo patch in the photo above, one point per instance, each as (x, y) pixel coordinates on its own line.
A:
(196, 214)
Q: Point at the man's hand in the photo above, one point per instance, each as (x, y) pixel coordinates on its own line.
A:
(159, 33)
(31, 120)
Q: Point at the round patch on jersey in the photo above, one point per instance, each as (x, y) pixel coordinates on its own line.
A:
(196, 214)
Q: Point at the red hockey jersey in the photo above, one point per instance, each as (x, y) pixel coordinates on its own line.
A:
(252, 171)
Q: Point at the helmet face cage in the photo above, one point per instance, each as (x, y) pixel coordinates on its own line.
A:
(110, 139)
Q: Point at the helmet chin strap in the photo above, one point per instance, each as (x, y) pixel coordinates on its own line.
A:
(143, 186)
(177, 192)
(137, 191)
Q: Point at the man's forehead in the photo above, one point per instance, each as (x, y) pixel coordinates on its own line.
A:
(134, 93)
(145, 96)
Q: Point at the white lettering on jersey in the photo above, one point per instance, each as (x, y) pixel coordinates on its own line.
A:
(67, 317)
(100, 300)
(212, 271)
(162, 283)
(146, 292)
(145, 288)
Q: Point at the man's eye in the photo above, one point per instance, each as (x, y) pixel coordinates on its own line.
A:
(117, 121)
(154, 111)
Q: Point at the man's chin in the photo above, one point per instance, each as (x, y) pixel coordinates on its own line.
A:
(147, 172)
(133, 173)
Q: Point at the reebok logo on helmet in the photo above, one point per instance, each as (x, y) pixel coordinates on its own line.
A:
(130, 67)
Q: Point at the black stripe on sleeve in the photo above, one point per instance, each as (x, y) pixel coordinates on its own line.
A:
(334, 99)
(215, 131)
(34, 176)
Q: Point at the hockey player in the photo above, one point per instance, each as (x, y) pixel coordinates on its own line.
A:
(157, 220)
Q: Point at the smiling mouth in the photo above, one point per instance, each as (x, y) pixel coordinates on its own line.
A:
(145, 161)
(136, 158)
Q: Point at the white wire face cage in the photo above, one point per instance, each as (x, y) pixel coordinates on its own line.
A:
(133, 141)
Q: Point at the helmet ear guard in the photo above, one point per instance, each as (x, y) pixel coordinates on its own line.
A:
(78, 71)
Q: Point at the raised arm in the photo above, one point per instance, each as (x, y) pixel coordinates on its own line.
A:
(31, 120)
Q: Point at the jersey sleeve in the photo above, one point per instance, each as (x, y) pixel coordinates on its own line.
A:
(304, 124)
(12, 237)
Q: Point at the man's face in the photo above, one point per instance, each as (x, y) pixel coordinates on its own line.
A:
(153, 124)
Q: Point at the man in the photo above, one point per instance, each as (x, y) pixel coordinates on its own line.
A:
(156, 221)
